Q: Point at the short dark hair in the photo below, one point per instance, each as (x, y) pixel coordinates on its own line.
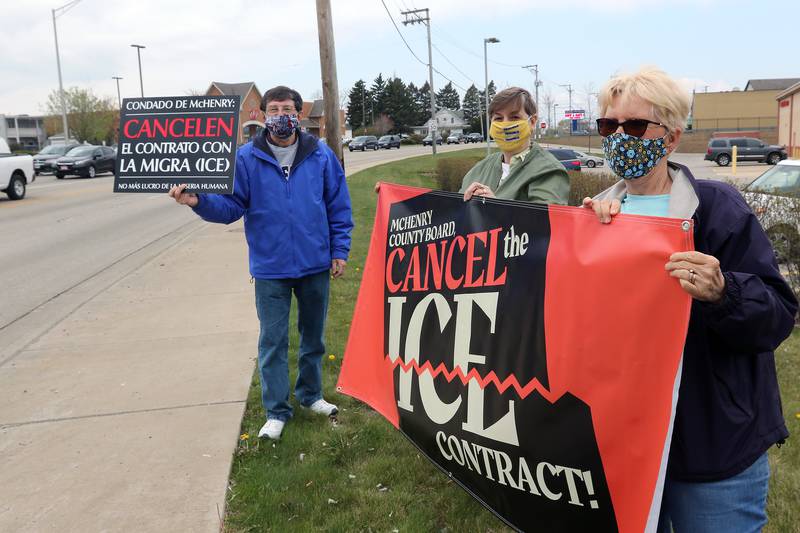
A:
(281, 92)
(516, 96)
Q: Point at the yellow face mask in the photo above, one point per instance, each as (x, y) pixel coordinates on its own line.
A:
(513, 136)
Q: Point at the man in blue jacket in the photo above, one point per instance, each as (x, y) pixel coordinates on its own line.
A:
(291, 191)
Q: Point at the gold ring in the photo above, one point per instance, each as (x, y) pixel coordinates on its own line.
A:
(691, 280)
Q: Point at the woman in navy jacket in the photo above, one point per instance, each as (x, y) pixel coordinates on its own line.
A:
(729, 407)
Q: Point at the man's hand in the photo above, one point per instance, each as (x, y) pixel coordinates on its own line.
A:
(337, 268)
(699, 275)
(183, 198)
(478, 189)
(604, 209)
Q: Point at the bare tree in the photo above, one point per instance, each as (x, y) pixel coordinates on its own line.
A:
(548, 101)
(591, 96)
(383, 124)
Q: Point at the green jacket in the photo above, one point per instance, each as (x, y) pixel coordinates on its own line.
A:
(537, 178)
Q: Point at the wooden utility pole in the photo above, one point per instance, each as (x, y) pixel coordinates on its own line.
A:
(330, 83)
(413, 17)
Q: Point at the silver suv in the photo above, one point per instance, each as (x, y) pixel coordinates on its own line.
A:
(720, 149)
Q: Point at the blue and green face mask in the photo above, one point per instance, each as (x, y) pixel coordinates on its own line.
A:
(633, 157)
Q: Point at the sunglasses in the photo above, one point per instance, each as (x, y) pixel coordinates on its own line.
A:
(633, 126)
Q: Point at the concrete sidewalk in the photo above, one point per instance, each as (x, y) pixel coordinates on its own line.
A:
(126, 414)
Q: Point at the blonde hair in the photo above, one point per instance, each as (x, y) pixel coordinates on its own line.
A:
(670, 103)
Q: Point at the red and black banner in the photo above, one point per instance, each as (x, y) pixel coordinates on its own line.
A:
(170, 140)
(532, 353)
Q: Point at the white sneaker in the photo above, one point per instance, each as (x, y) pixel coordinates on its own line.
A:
(321, 407)
(272, 429)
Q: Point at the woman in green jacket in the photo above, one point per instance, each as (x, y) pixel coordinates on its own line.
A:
(522, 170)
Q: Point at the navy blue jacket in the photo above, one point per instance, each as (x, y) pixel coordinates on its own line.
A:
(294, 226)
(729, 407)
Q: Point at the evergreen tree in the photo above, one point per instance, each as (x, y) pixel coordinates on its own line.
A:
(358, 105)
(423, 100)
(492, 93)
(378, 90)
(472, 107)
(448, 98)
(413, 93)
(398, 104)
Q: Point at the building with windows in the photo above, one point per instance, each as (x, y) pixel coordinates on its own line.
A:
(789, 120)
(23, 132)
(313, 120)
(751, 109)
(446, 119)
(251, 117)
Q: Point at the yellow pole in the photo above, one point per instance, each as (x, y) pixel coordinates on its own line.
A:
(735, 153)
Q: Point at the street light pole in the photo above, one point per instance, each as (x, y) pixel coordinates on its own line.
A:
(119, 98)
(486, 79)
(63, 9)
(139, 56)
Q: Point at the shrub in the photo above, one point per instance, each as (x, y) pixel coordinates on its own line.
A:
(583, 184)
(450, 172)
(412, 139)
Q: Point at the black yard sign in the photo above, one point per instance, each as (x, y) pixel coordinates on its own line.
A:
(171, 140)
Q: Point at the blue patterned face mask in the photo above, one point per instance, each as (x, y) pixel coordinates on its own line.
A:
(281, 126)
(632, 157)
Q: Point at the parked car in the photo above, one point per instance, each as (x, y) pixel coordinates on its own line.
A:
(473, 138)
(15, 170)
(720, 149)
(389, 142)
(588, 160)
(774, 197)
(87, 161)
(45, 159)
(568, 158)
(427, 141)
(454, 138)
(364, 142)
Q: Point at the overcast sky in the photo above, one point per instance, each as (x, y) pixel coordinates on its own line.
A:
(719, 44)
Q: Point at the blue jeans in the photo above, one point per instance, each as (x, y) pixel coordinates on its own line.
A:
(273, 301)
(737, 504)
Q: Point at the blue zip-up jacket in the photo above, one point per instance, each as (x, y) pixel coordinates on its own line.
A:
(729, 407)
(294, 226)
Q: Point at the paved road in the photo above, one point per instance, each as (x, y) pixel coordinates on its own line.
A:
(67, 241)
(67, 231)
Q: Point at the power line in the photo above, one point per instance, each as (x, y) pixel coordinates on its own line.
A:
(412, 51)
(452, 41)
(453, 65)
(448, 79)
(401, 35)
